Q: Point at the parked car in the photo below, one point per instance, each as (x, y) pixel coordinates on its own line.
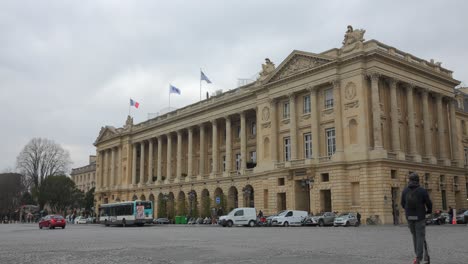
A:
(240, 216)
(346, 219)
(80, 220)
(161, 221)
(462, 218)
(91, 220)
(270, 218)
(52, 221)
(435, 219)
(289, 217)
(326, 219)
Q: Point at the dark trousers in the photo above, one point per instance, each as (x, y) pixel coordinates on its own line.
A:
(418, 231)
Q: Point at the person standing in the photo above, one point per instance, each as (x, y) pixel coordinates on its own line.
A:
(416, 202)
(450, 212)
(358, 216)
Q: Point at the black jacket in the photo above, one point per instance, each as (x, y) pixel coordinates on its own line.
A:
(424, 202)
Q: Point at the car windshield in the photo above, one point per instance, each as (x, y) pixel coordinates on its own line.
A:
(343, 215)
(57, 217)
(282, 213)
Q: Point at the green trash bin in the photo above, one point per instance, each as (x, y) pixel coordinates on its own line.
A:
(183, 220)
(177, 220)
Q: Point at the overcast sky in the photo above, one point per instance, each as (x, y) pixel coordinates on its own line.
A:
(67, 68)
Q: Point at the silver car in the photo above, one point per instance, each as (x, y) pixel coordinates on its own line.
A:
(346, 219)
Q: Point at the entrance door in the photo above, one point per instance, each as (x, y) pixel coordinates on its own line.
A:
(281, 201)
(444, 200)
(325, 200)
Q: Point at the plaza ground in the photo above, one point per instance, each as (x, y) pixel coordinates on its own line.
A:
(25, 243)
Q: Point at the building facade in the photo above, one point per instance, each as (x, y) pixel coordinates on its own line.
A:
(85, 177)
(334, 131)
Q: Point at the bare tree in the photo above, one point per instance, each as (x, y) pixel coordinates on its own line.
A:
(41, 158)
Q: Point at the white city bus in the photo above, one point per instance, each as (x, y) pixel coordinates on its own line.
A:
(126, 213)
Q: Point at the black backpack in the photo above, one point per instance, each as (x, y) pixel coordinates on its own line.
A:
(412, 199)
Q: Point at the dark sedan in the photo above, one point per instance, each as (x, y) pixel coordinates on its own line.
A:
(52, 221)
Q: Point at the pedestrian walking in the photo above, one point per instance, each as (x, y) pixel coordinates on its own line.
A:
(450, 212)
(397, 215)
(416, 202)
(358, 216)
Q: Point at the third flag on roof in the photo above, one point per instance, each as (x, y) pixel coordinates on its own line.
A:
(204, 78)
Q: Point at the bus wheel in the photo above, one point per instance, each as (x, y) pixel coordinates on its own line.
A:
(105, 223)
(124, 223)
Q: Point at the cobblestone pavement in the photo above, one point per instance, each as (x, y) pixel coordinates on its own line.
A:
(87, 244)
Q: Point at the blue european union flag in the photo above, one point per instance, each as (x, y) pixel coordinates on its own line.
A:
(173, 89)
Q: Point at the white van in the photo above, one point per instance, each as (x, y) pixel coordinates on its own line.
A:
(289, 217)
(240, 216)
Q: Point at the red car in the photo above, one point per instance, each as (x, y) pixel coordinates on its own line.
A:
(52, 221)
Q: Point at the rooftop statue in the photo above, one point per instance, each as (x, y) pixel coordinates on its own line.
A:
(353, 36)
(267, 68)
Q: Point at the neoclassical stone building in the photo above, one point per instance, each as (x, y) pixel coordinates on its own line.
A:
(333, 131)
(85, 177)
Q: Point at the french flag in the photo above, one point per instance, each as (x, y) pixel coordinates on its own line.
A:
(134, 103)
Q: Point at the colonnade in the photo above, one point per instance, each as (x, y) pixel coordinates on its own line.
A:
(445, 106)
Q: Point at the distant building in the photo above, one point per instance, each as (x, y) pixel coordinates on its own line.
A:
(85, 177)
(335, 131)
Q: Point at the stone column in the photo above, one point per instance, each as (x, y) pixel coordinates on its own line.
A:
(159, 168)
(190, 154)
(98, 170)
(411, 125)
(427, 127)
(314, 126)
(142, 163)
(106, 169)
(214, 151)
(119, 166)
(453, 130)
(293, 125)
(112, 174)
(274, 132)
(150, 161)
(243, 140)
(395, 122)
(228, 145)
(338, 120)
(134, 158)
(201, 167)
(169, 158)
(441, 129)
(179, 156)
(376, 111)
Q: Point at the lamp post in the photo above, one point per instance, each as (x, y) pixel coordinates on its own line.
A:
(191, 196)
(307, 184)
(247, 192)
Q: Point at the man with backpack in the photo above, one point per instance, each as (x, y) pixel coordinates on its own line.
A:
(416, 202)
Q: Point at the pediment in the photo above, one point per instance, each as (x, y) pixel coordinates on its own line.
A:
(296, 63)
(106, 132)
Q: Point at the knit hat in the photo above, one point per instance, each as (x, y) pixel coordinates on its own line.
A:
(414, 177)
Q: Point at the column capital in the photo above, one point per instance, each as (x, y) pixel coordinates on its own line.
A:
(227, 118)
(272, 100)
(374, 75)
(410, 86)
(190, 129)
(214, 121)
(336, 83)
(311, 87)
(393, 81)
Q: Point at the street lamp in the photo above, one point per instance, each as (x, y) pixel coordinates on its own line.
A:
(191, 196)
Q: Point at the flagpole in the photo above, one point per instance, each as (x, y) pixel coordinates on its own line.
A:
(200, 83)
(129, 107)
(169, 98)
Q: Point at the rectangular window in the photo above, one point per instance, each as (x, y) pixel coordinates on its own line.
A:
(224, 163)
(286, 110)
(393, 174)
(280, 181)
(238, 161)
(253, 128)
(325, 177)
(287, 148)
(328, 98)
(308, 146)
(331, 141)
(466, 156)
(253, 156)
(306, 108)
